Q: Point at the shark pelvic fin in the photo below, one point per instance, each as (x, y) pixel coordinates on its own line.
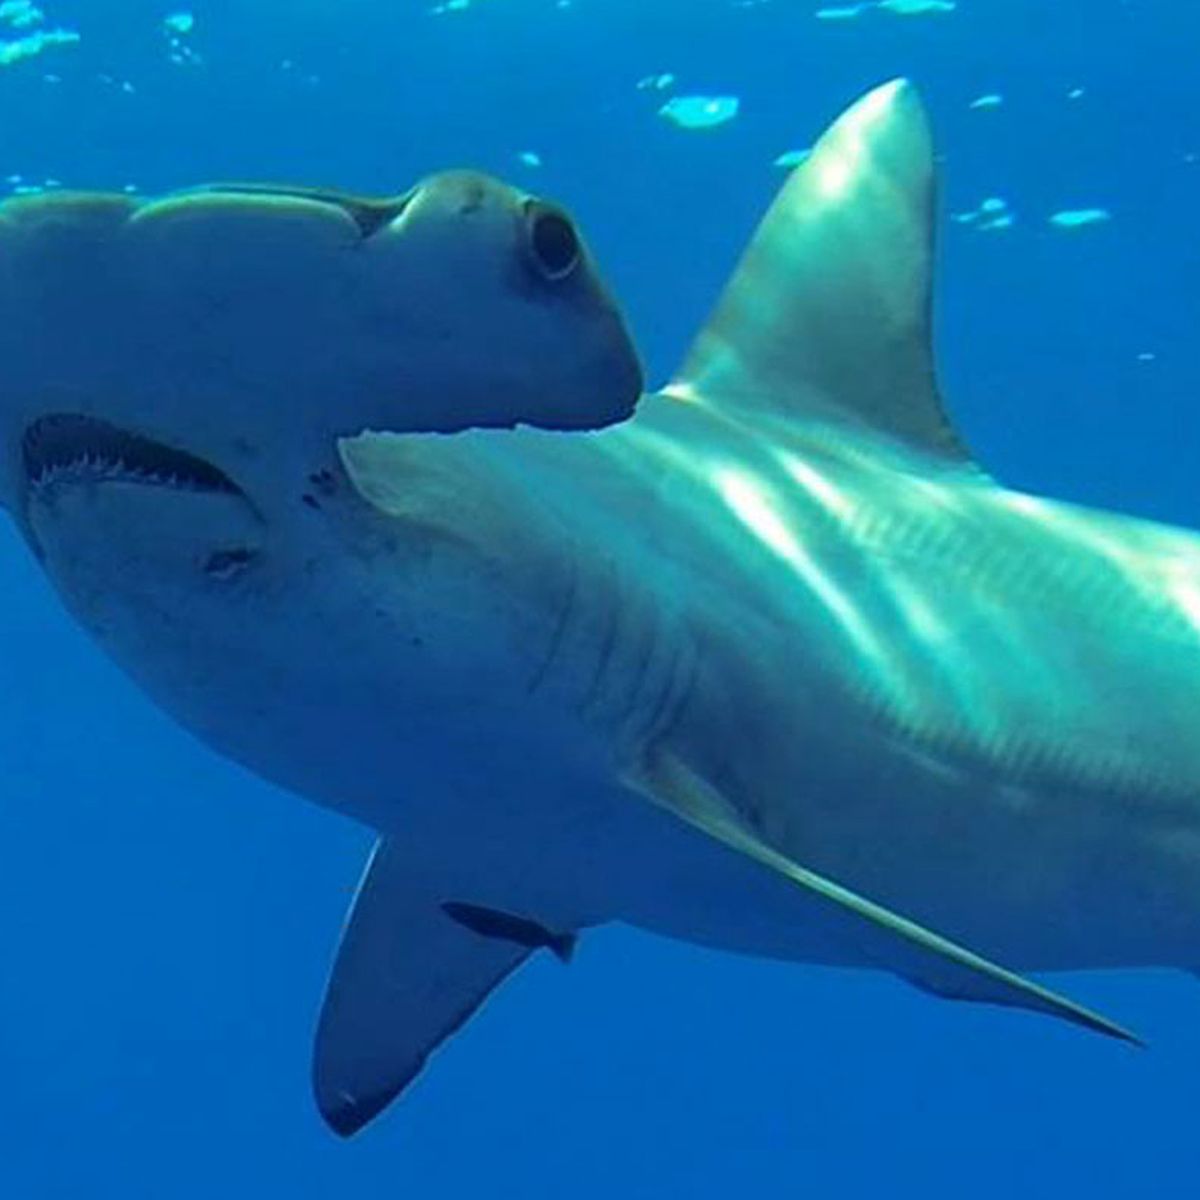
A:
(407, 976)
(828, 313)
(883, 938)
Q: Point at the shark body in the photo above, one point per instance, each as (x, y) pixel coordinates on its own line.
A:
(768, 663)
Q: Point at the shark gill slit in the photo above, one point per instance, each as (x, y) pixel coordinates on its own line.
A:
(679, 675)
(640, 675)
(540, 675)
(593, 696)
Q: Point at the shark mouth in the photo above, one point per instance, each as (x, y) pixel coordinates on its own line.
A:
(67, 448)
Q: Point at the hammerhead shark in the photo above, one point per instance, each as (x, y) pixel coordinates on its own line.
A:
(367, 494)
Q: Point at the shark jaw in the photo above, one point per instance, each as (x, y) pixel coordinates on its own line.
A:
(66, 449)
(97, 495)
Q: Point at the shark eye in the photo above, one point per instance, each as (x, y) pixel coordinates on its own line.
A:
(553, 242)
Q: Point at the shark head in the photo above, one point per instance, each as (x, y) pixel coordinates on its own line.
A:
(182, 368)
(179, 377)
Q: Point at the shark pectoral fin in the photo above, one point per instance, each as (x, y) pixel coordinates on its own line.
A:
(828, 312)
(883, 938)
(406, 977)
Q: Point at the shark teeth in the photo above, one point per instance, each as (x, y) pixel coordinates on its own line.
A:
(69, 448)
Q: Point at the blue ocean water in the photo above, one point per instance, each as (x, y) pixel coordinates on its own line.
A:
(168, 920)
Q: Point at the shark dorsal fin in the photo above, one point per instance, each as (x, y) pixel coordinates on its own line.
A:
(828, 312)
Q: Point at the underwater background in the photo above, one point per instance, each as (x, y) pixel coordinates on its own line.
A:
(167, 920)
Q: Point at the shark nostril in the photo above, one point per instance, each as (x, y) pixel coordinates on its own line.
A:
(553, 241)
(226, 564)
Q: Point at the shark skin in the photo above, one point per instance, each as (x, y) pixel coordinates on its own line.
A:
(766, 662)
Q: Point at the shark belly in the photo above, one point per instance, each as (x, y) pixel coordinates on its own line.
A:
(297, 670)
(294, 660)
